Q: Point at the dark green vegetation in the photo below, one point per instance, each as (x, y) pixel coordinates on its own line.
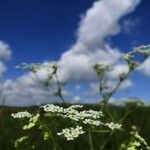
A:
(10, 130)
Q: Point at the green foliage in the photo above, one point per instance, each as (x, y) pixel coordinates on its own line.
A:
(136, 142)
(12, 129)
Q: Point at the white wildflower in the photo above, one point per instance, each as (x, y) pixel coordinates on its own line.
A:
(142, 140)
(113, 125)
(87, 117)
(128, 57)
(137, 144)
(132, 148)
(32, 122)
(71, 133)
(79, 116)
(92, 122)
(144, 49)
(91, 114)
(22, 114)
(29, 126)
(20, 140)
(53, 109)
(72, 113)
(75, 106)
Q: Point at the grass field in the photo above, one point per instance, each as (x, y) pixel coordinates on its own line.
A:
(10, 130)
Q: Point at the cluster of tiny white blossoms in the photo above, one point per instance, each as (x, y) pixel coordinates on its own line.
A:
(32, 118)
(92, 122)
(72, 112)
(113, 125)
(20, 140)
(135, 142)
(32, 122)
(144, 49)
(71, 133)
(53, 109)
(87, 117)
(142, 140)
(22, 114)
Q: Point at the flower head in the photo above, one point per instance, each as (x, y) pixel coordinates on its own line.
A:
(71, 133)
(22, 114)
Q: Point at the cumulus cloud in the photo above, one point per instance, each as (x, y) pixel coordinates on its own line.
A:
(2, 68)
(145, 67)
(5, 54)
(119, 69)
(99, 22)
(129, 25)
(5, 51)
(94, 87)
(27, 90)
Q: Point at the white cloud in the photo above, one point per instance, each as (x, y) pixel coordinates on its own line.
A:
(93, 90)
(129, 25)
(98, 23)
(94, 87)
(145, 67)
(5, 54)
(30, 89)
(2, 68)
(79, 66)
(76, 99)
(124, 101)
(119, 69)
(27, 90)
(126, 84)
(5, 51)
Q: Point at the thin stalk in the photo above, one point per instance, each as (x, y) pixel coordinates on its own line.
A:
(121, 120)
(104, 144)
(59, 89)
(90, 140)
(1, 109)
(101, 131)
(126, 114)
(116, 87)
(120, 82)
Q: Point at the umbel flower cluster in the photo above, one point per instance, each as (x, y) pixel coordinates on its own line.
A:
(135, 142)
(83, 119)
(22, 114)
(71, 133)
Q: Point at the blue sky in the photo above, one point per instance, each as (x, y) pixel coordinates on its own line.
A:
(43, 30)
(40, 28)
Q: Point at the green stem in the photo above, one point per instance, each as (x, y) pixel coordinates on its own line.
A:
(104, 144)
(59, 89)
(126, 114)
(121, 81)
(90, 140)
(101, 131)
(55, 145)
